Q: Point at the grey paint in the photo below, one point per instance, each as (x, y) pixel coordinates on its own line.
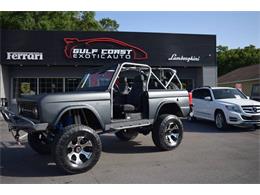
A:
(98, 102)
(159, 97)
(51, 106)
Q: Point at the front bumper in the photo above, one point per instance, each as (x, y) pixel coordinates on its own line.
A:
(17, 122)
(242, 119)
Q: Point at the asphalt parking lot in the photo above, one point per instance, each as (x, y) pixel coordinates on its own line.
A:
(206, 155)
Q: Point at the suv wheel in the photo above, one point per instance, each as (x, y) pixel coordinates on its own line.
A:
(39, 143)
(77, 150)
(167, 132)
(126, 134)
(220, 121)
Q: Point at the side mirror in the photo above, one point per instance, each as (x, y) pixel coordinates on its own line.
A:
(208, 98)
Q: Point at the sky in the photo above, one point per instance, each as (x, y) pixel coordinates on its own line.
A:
(233, 29)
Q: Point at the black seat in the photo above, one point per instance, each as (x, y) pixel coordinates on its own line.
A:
(135, 96)
(134, 100)
(123, 85)
(120, 105)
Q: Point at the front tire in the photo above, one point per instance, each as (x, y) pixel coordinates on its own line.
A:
(220, 121)
(77, 150)
(126, 134)
(167, 132)
(39, 143)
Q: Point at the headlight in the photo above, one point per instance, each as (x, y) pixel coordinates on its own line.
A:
(233, 108)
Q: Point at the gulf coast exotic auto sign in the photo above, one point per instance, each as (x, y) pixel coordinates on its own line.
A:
(102, 49)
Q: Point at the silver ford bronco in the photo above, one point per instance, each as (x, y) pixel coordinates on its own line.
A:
(125, 99)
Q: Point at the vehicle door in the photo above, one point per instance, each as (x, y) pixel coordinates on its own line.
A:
(202, 101)
(208, 105)
(197, 103)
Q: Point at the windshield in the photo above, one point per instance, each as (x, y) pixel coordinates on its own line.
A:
(228, 94)
(97, 80)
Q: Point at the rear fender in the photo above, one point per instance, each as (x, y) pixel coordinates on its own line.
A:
(178, 112)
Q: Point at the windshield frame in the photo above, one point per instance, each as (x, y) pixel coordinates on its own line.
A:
(104, 69)
(234, 89)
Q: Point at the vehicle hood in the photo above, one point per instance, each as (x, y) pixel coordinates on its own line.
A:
(240, 102)
(77, 96)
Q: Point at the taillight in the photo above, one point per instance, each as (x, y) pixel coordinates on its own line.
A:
(190, 98)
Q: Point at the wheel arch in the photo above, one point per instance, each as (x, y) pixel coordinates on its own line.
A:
(218, 110)
(87, 109)
(167, 107)
(224, 113)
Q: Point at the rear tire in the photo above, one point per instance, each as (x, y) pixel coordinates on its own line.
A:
(39, 143)
(167, 132)
(220, 121)
(126, 134)
(77, 150)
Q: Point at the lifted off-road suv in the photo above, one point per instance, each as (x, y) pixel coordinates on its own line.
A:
(126, 99)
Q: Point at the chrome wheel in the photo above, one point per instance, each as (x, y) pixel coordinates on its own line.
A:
(172, 133)
(79, 151)
(219, 120)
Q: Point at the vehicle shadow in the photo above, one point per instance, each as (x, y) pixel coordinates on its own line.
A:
(20, 161)
(110, 144)
(204, 126)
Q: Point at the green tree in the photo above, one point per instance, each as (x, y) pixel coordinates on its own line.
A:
(108, 24)
(79, 21)
(231, 59)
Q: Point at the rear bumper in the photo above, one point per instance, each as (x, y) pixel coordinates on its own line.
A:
(17, 122)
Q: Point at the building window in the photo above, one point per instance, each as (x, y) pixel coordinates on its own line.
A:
(71, 83)
(33, 86)
(187, 84)
(24, 86)
(50, 85)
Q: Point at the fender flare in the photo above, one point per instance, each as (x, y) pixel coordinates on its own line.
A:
(164, 103)
(92, 109)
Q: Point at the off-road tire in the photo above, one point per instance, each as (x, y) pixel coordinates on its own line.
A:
(224, 125)
(38, 142)
(159, 131)
(127, 134)
(59, 149)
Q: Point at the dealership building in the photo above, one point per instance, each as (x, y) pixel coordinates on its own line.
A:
(36, 62)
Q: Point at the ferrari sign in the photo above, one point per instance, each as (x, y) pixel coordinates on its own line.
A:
(24, 56)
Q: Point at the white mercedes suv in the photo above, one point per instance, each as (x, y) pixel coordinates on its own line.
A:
(225, 106)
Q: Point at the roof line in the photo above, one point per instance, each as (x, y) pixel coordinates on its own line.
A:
(245, 80)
